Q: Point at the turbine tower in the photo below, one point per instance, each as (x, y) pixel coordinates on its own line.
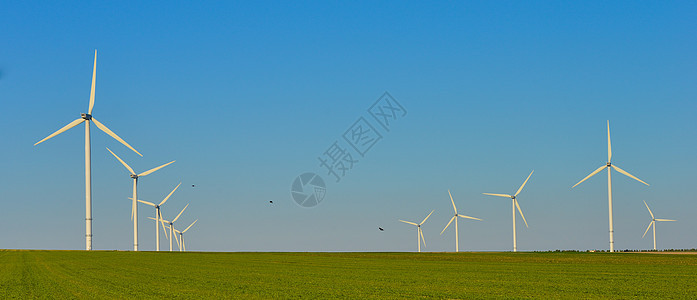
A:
(457, 244)
(515, 204)
(419, 233)
(134, 207)
(609, 166)
(653, 223)
(158, 215)
(87, 119)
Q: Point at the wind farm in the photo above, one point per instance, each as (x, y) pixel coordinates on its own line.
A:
(291, 150)
(158, 215)
(164, 223)
(134, 207)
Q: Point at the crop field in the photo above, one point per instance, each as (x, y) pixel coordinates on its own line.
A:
(111, 274)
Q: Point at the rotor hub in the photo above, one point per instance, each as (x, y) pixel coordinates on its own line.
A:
(134, 176)
(86, 116)
(609, 164)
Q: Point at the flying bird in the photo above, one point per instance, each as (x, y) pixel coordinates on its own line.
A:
(193, 185)
(381, 229)
(271, 202)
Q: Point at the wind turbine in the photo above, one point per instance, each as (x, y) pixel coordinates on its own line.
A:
(609, 166)
(515, 204)
(87, 118)
(181, 243)
(419, 233)
(171, 225)
(158, 215)
(653, 223)
(457, 244)
(134, 207)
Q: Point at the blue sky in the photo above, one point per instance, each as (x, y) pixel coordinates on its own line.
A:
(246, 97)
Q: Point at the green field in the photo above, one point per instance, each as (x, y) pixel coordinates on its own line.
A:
(109, 274)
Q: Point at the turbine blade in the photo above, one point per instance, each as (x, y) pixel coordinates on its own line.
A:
(66, 127)
(521, 187)
(626, 173)
(521, 212)
(468, 217)
(192, 224)
(170, 194)
(453, 201)
(647, 229)
(647, 207)
(609, 148)
(161, 219)
(146, 202)
(412, 223)
(175, 237)
(155, 169)
(112, 134)
(499, 195)
(427, 217)
(421, 233)
(591, 175)
(163, 227)
(94, 81)
(122, 162)
(446, 226)
(180, 213)
(666, 220)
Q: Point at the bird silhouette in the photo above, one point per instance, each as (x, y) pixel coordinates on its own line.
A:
(381, 229)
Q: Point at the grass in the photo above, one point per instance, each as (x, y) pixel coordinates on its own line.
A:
(110, 274)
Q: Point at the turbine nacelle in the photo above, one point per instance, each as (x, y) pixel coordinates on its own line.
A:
(134, 176)
(86, 116)
(609, 164)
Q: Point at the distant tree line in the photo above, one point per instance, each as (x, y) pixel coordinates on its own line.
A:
(625, 250)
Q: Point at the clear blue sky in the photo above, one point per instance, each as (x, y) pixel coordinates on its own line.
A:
(246, 97)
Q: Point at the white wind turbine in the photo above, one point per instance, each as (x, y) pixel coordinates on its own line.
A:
(515, 204)
(171, 225)
(134, 207)
(653, 223)
(419, 233)
(181, 243)
(609, 166)
(158, 215)
(457, 243)
(87, 118)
